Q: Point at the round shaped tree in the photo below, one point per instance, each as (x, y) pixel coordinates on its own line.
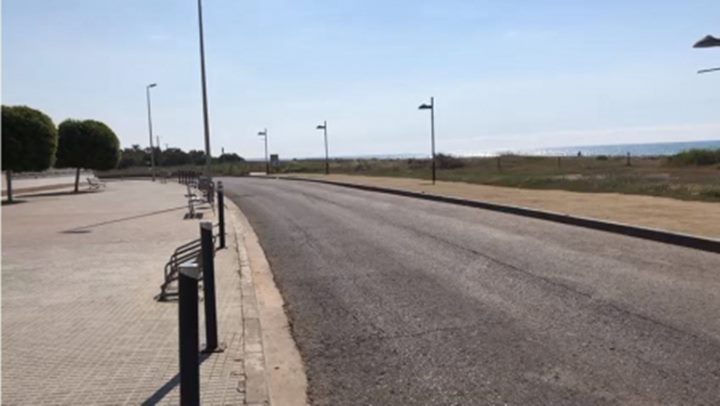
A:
(86, 144)
(29, 141)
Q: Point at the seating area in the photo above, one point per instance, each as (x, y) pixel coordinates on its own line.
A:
(95, 184)
(193, 202)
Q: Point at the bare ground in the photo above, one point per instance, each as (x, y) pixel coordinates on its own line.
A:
(689, 217)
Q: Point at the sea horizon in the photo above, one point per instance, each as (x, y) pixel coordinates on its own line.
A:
(635, 149)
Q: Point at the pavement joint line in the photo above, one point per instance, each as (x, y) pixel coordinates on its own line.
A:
(662, 236)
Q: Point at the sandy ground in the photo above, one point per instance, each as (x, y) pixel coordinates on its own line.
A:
(697, 218)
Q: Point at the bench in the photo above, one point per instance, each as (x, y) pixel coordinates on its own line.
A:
(95, 183)
(193, 200)
(207, 187)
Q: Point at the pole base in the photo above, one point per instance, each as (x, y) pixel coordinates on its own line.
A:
(220, 348)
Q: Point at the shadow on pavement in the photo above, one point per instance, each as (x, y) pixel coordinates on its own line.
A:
(52, 194)
(159, 394)
(7, 203)
(82, 229)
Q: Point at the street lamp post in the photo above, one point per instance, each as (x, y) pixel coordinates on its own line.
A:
(431, 107)
(152, 149)
(206, 122)
(708, 42)
(323, 127)
(264, 134)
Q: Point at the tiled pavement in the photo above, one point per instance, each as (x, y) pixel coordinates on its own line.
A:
(79, 323)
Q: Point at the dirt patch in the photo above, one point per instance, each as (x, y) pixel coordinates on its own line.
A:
(688, 217)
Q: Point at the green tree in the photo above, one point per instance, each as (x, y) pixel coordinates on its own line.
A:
(87, 144)
(134, 156)
(29, 141)
(197, 157)
(229, 157)
(174, 157)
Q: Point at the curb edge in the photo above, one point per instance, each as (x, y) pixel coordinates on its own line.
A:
(667, 237)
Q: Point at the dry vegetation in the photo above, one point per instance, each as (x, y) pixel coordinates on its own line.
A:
(694, 175)
(668, 177)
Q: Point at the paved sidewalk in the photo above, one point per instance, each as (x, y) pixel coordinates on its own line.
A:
(79, 323)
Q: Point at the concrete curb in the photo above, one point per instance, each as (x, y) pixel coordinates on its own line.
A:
(667, 237)
(274, 371)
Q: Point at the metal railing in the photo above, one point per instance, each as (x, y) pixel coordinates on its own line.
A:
(189, 264)
(191, 251)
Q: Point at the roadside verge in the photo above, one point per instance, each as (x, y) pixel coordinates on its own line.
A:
(668, 237)
(274, 371)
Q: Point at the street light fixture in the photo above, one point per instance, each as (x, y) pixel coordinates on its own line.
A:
(206, 120)
(323, 127)
(708, 42)
(431, 107)
(152, 148)
(264, 133)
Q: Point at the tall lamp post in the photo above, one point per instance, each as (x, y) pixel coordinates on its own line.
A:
(206, 122)
(264, 134)
(431, 107)
(323, 127)
(708, 42)
(152, 149)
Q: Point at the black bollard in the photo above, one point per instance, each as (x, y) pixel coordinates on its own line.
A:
(221, 212)
(188, 276)
(208, 269)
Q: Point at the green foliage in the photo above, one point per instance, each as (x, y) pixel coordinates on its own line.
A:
(29, 139)
(171, 157)
(229, 158)
(134, 156)
(699, 157)
(87, 144)
(174, 157)
(197, 157)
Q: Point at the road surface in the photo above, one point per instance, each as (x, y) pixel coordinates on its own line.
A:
(398, 301)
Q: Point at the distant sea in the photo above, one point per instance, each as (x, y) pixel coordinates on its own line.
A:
(649, 149)
(654, 149)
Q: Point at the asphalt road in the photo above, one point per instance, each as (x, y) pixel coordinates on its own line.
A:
(399, 301)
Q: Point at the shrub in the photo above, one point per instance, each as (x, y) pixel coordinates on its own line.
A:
(87, 144)
(29, 141)
(697, 157)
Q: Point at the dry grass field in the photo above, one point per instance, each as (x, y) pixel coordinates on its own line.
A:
(664, 177)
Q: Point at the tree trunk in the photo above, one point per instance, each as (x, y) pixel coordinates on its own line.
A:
(8, 176)
(77, 179)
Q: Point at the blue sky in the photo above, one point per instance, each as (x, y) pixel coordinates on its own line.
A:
(506, 75)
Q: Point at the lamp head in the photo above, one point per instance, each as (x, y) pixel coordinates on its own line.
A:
(424, 107)
(707, 42)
